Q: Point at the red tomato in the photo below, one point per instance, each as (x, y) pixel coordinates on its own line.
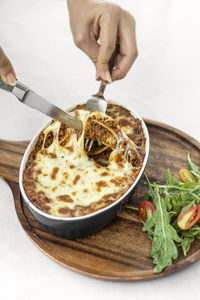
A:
(146, 210)
(186, 176)
(187, 219)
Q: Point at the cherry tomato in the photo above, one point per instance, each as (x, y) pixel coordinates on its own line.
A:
(187, 219)
(186, 176)
(146, 210)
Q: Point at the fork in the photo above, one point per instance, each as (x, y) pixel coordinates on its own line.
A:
(97, 101)
(89, 142)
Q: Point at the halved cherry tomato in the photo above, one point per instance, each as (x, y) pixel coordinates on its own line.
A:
(187, 219)
(186, 176)
(146, 210)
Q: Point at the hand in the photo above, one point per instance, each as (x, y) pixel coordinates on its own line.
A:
(93, 20)
(7, 72)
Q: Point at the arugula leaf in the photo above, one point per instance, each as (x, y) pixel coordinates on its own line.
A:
(163, 246)
(150, 191)
(192, 203)
(186, 242)
(193, 169)
(187, 237)
(170, 179)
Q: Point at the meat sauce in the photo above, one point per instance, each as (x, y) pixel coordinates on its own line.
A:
(61, 183)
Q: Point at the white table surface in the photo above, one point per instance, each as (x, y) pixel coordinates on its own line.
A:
(162, 85)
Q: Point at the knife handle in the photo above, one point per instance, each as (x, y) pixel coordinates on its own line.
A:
(5, 86)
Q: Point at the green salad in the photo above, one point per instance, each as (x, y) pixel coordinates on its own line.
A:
(171, 215)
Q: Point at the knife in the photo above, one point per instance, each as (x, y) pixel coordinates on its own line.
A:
(30, 98)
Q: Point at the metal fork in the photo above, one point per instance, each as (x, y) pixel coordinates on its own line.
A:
(97, 101)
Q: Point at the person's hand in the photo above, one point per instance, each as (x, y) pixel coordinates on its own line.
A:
(92, 21)
(7, 72)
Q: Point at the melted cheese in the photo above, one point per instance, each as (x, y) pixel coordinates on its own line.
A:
(69, 180)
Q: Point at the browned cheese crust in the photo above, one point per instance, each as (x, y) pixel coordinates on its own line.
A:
(131, 126)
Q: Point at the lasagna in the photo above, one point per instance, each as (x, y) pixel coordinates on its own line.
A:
(72, 173)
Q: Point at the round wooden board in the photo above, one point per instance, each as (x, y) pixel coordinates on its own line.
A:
(121, 250)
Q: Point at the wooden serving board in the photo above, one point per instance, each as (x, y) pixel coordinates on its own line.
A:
(121, 251)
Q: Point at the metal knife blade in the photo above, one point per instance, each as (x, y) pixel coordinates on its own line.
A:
(35, 101)
(30, 98)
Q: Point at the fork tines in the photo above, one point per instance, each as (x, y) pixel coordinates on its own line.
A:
(88, 144)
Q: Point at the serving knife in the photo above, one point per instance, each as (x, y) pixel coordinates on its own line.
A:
(25, 95)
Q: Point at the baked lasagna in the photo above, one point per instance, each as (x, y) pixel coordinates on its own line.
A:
(72, 173)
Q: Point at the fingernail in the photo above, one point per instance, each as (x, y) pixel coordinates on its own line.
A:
(108, 77)
(11, 79)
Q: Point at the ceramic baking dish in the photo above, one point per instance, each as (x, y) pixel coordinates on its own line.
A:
(75, 227)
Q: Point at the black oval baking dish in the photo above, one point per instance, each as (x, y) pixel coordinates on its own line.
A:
(76, 227)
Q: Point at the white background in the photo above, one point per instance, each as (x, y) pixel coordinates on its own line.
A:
(163, 85)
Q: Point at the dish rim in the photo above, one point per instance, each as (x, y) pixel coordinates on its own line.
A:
(32, 144)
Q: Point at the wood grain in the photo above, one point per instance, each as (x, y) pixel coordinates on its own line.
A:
(121, 250)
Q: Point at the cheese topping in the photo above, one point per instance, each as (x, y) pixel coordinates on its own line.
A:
(61, 178)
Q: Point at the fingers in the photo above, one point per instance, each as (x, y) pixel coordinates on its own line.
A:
(107, 23)
(128, 52)
(6, 69)
(108, 37)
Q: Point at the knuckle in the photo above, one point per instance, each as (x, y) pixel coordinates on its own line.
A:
(130, 18)
(94, 60)
(110, 47)
(134, 24)
(2, 57)
(4, 64)
(4, 70)
(121, 75)
(134, 54)
(102, 61)
(111, 9)
(79, 39)
(5, 67)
